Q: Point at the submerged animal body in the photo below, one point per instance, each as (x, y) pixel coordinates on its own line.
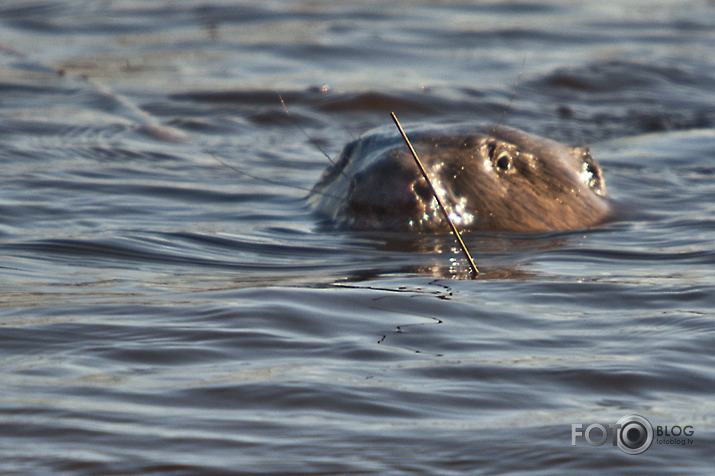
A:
(489, 178)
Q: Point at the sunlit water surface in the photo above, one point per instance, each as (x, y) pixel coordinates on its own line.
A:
(169, 304)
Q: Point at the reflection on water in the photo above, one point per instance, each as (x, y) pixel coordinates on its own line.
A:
(162, 312)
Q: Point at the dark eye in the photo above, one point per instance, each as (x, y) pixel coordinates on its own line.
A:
(503, 162)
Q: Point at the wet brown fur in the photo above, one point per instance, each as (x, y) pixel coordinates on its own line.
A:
(492, 179)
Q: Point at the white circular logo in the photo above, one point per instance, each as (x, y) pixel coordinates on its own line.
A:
(634, 434)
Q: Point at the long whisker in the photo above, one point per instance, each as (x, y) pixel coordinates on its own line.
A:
(305, 133)
(254, 177)
(300, 128)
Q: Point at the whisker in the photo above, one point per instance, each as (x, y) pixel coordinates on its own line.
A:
(312, 141)
(254, 177)
(301, 129)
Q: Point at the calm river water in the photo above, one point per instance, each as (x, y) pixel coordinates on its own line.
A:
(169, 304)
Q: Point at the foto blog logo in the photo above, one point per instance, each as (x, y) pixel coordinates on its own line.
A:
(633, 434)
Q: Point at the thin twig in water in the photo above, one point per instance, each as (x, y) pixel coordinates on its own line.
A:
(457, 236)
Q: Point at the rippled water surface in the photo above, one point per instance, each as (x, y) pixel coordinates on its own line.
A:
(169, 304)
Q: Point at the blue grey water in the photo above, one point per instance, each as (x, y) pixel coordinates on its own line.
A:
(169, 305)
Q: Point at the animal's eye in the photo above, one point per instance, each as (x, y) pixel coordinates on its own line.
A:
(503, 162)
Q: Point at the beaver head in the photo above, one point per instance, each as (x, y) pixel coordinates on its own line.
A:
(494, 179)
